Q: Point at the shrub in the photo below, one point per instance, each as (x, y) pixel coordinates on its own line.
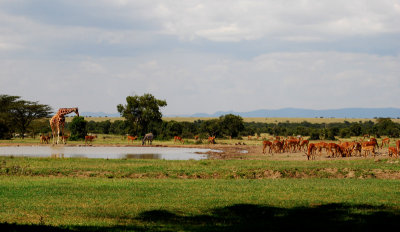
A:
(314, 135)
(78, 128)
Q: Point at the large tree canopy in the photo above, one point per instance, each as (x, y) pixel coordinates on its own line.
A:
(17, 115)
(231, 125)
(142, 113)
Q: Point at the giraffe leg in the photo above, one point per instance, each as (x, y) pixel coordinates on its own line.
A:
(53, 132)
(58, 135)
(62, 134)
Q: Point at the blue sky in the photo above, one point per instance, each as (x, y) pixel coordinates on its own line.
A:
(202, 56)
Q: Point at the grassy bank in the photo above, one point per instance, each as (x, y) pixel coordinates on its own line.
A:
(88, 204)
(204, 169)
(78, 194)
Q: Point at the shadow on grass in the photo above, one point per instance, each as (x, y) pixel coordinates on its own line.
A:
(248, 217)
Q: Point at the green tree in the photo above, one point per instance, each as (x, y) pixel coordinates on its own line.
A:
(344, 133)
(385, 126)
(142, 113)
(210, 127)
(105, 127)
(118, 127)
(17, 115)
(329, 134)
(174, 128)
(315, 135)
(78, 128)
(4, 130)
(231, 125)
(24, 112)
(6, 103)
(356, 129)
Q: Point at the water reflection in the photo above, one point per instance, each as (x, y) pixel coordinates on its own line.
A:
(55, 156)
(143, 156)
(169, 153)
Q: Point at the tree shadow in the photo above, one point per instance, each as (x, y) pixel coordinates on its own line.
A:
(249, 217)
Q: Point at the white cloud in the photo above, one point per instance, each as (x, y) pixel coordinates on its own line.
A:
(207, 83)
(251, 20)
(202, 56)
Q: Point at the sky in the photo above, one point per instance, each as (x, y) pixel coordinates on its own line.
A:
(202, 56)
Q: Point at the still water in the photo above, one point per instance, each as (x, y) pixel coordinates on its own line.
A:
(167, 153)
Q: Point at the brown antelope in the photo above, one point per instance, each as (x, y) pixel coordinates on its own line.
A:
(331, 149)
(266, 144)
(278, 146)
(303, 145)
(385, 141)
(211, 140)
(347, 148)
(65, 138)
(179, 139)
(357, 148)
(319, 146)
(393, 152)
(398, 145)
(311, 151)
(43, 139)
(131, 138)
(368, 149)
(372, 142)
(292, 144)
(89, 138)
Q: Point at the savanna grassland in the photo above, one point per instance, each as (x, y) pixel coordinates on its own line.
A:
(231, 191)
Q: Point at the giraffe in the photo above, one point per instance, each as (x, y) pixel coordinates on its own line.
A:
(58, 120)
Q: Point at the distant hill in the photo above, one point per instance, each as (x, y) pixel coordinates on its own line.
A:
(99, 114)
(308, 113)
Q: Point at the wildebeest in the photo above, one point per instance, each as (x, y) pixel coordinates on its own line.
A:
(147, 137)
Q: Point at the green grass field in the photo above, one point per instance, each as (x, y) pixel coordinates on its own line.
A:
(47, 194)
(259, 194)
(88, 204)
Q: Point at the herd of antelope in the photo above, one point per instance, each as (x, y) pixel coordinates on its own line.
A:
(45, 139)
(211, 140)
(341, 149)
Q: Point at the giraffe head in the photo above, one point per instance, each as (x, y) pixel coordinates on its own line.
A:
(76, 111)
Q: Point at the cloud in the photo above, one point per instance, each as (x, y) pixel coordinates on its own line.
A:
(206, 83)
(252, 20)
(201, 56)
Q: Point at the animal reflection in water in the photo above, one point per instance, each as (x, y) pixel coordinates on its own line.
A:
(58, 155)
(143, 156)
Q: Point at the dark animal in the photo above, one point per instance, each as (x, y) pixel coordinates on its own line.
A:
(147, 137)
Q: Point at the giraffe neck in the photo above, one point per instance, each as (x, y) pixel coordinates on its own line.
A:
(63, 111)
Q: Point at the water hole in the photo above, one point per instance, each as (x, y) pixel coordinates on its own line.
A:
(167, 153)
